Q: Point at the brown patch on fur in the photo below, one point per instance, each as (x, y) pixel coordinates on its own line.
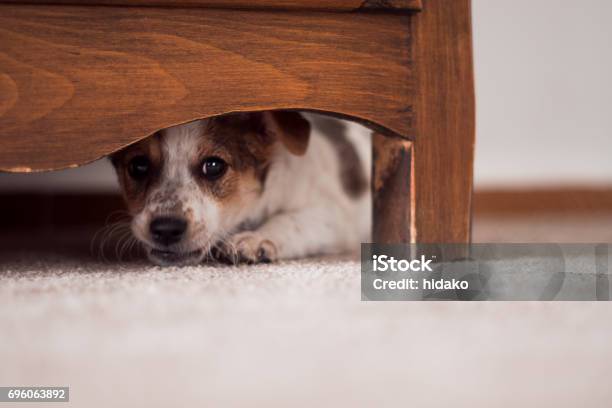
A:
(241, 141)
(352, 174)
(243, 137)
(246, 142)
(135, 191)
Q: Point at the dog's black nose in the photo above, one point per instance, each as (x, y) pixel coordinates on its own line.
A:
(167, 230)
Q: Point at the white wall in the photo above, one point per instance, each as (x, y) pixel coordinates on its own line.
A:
(96, 177)
(544, 90)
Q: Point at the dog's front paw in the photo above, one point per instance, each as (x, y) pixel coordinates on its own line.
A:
(250, 247)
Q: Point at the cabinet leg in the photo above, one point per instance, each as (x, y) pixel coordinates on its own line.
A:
(422, 190)
(445, 122)
(392, 184)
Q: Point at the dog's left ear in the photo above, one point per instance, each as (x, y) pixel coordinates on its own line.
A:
(290, 128)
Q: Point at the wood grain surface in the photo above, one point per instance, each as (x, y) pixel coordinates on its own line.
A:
(77, 83)
(445, 121)
(326, 5)
(392, 184)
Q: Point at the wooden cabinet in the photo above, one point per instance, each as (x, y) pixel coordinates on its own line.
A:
(82, 79)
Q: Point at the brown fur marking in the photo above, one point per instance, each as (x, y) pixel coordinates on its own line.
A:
(241, 141)
(352, 174)
(135, 192)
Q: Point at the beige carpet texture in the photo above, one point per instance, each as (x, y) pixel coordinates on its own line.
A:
(128, 334)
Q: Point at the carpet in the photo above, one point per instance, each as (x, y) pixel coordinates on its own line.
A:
(128, 334)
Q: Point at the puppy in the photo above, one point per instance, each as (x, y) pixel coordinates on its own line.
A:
(248, 187)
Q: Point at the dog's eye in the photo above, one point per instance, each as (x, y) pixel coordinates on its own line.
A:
(213, 168)
(138, 167)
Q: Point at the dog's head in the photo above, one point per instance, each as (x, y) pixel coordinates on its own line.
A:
(190, 185)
